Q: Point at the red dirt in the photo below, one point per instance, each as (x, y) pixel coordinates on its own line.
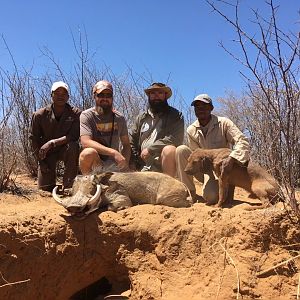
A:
(157, 252)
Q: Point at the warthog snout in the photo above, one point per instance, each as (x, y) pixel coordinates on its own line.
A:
(85, 196)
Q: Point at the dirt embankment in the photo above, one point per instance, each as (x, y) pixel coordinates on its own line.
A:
(157, 252)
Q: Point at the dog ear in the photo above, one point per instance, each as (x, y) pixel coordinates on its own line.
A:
(206, 164)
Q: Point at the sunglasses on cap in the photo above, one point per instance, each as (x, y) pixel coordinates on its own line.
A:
(158, 84)
(104, 95)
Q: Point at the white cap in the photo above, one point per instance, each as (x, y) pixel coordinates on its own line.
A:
(203, 98)
(59, 84)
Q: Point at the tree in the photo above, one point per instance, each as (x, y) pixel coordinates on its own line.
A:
(271, 109)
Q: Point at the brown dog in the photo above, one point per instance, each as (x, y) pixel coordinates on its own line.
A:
(253, 178)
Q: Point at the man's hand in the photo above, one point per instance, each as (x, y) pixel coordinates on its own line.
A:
(45, 148)
(227, 165)
(145, 154)
(120, 160)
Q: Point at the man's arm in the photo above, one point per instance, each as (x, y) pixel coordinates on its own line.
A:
(126, 151)
(241, 148)
(88, 142)
(192, 142)
(35, 134)
(134, 139)
(240, 152)
(74, 131)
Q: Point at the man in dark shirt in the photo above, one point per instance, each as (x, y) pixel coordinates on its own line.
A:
(157, 132)
(54, 137)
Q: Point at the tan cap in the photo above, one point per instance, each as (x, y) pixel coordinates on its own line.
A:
(101, 86)
(203, 98)
(159, 86)
(59, 84)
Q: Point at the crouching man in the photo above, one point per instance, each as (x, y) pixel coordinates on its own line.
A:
(103, 134)
(54, 137)
(211, 132)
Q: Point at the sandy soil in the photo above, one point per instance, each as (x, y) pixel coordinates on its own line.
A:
(149, 252)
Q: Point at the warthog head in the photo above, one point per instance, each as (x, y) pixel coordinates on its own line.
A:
(85, 196)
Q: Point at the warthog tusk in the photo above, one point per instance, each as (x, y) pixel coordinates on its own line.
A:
(57, 198)
(97, 195)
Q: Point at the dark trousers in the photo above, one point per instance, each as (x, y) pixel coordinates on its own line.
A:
(69, 154)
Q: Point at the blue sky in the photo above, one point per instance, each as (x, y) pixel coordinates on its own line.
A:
(166, 37)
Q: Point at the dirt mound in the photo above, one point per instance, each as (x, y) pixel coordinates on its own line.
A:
(155, 252)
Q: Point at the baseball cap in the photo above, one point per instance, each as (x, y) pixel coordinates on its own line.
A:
(203, 98)
(59, 84)
(101, 86)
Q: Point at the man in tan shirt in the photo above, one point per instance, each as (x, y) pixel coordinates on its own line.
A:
(210, 132)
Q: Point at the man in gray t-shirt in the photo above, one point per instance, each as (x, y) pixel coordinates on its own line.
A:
(103, 133)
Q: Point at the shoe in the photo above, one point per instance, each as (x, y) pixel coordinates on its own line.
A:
(196, 198)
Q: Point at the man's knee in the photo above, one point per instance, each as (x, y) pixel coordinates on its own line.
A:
(168, 150)
(183, 151)
(211, 191)
(88, 159)
(210, 197)
(88, 155)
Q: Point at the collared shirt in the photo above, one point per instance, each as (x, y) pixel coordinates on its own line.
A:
(150, 128)
(45, 127)
(170, 132)
(221, 133)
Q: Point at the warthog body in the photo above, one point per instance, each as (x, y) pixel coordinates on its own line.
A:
(253, 178)
(127, 189)
(123, 190)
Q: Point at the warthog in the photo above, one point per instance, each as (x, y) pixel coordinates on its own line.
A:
(122, 190)
(85, 196)
(253, 178)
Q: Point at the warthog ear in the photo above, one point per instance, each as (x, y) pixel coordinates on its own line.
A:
(104, 187)
(104, 177)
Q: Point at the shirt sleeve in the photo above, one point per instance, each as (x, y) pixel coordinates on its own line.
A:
(85, 125)
(123, 129)
(241, 151)
(134, 139)
(192, 142)
(35, 134)
(73, 134)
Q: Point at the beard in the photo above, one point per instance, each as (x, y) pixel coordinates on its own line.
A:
(157, 106)
(104, 109)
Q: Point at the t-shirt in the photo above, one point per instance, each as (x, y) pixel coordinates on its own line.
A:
(103, 129)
